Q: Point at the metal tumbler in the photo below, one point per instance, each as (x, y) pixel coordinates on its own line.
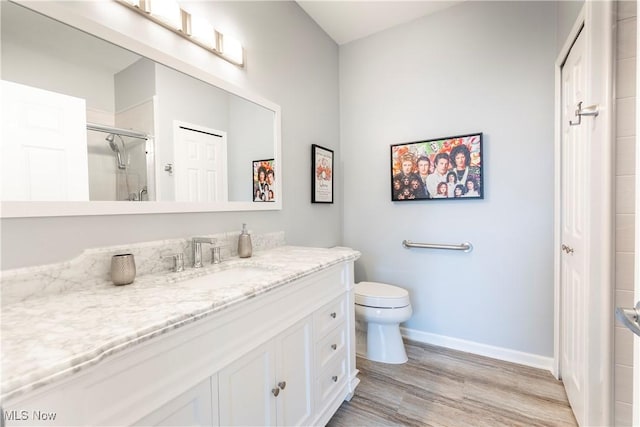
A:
(123, 269)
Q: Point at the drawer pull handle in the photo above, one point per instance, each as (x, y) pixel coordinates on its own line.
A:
(333, 315)
(334, 346)
(335, 378)
(282, 384)
(276, 392)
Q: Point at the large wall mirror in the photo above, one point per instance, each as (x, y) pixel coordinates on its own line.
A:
(89, 127)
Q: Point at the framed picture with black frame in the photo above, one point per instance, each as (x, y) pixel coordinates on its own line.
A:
(264, 181)
(438, 169)
(321, 174)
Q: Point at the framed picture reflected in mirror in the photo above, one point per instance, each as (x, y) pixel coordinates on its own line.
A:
(264, 181)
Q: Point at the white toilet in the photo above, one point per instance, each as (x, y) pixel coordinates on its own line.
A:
(382, 308)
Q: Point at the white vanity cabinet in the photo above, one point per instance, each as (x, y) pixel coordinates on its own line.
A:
(282, 357)
(271, 385)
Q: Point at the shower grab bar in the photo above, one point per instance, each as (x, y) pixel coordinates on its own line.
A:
(465, 247)
(117, 131)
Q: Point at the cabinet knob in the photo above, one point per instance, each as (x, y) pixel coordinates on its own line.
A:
(334, 346)
(335, 378)
(276, 392)
(333, 315)
(282, 384)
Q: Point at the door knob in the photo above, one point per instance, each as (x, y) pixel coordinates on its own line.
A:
(333, 315)
(567, 249)
(282, 384)
(275, 391)
(334, 346)
(630, 317)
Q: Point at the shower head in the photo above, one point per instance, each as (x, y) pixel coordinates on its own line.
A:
(110, 139)
(114, 147)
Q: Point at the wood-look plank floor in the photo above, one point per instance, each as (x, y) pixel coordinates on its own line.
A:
(442, 387)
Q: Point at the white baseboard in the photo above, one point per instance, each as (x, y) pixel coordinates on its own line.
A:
(500, 353)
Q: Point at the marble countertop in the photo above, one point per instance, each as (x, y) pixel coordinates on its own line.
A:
(48, 338)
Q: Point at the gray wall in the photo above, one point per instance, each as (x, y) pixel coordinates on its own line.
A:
(568, 11)
(29, 59)
(291, 62)
(135, 84)
(478, 66)
(250, 138)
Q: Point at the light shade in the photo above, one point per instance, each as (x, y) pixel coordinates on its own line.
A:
(232, 49)
(168, 11)
(202, 31)
(135, 3)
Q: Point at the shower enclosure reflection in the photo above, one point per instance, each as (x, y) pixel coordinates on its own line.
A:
(118, 164)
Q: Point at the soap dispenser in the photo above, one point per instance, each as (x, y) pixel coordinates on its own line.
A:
(244, 243)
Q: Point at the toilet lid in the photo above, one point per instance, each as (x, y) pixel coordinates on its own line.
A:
(373, 294)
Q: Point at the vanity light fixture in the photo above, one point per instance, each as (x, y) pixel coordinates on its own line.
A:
(168, 14)
(135, 3)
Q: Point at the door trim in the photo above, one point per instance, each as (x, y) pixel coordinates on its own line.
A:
(596, 20)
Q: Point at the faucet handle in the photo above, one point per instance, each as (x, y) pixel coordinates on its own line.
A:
(178, 261)
(216, 255)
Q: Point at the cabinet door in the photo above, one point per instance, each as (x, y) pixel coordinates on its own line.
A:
(294, 372)
(245, 389)
(192, 408)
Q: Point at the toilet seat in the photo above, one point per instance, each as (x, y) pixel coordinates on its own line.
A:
(380, 295)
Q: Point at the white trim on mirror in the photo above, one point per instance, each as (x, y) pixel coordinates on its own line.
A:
(116, 24)
(48, 209)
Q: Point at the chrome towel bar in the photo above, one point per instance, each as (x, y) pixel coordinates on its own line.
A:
(466, 246)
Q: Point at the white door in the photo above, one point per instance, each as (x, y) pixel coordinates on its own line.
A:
(246, 389)
(200, 163)
(44, 145)
(574, 298)
(294, 375)
(192, 408)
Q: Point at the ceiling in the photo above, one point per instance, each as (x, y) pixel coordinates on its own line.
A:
(345, 21)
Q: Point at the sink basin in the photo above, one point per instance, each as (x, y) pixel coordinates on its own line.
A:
(224, 278)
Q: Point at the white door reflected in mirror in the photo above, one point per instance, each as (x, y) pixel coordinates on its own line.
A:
(44, 145)
(200, 163)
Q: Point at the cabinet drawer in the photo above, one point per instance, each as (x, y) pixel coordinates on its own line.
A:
(329, 316)
(332, 378)
(331, 346)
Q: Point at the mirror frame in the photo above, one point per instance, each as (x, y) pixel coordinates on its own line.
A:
(86, 17)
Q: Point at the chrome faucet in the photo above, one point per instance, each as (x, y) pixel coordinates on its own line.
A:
(196, 244)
